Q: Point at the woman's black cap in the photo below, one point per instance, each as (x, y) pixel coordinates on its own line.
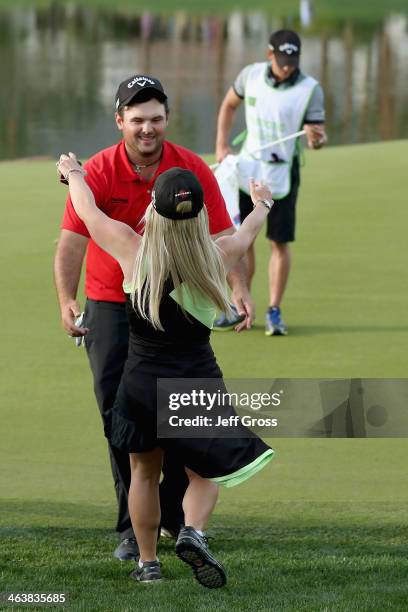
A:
(177, 194)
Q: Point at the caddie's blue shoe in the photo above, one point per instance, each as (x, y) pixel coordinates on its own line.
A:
(274, 326)
(224, 323)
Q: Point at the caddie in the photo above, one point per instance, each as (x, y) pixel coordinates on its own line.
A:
(279, 100)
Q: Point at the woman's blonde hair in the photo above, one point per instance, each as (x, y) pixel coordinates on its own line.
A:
(183, 251)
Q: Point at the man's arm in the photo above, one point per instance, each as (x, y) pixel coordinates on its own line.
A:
(225, 121)
(69, 256)
(237, 276)
(237, 280)
(314, 120)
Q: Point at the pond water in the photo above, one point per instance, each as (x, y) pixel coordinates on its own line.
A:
(60, 67)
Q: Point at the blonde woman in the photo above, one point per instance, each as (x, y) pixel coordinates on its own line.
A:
(174, 277)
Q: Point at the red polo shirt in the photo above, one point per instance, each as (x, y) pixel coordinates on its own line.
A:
(123, 195)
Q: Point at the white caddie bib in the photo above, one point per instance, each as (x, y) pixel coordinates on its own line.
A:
(271, 113)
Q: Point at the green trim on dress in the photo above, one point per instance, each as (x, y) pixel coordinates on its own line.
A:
(195, 303)
(231, 480)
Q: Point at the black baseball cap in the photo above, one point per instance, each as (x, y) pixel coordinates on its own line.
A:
(134, 86)
(177, 194)
(286, 46)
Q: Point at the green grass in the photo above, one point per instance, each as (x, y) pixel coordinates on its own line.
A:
(324, 527)
(324, 9)
(346, 299)
(337, 558)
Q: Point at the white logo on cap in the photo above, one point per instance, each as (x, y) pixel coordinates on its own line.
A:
(141, 80)
(183, 205)
(288, 48)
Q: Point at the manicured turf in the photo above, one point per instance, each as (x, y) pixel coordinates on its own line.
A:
(346, 300)
(324, 526)
(294, 556)
(323, 9)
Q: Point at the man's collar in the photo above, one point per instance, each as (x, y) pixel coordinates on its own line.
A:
(126, 171)
(291, 80)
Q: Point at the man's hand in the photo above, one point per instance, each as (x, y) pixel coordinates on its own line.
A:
(245, 306)
(221, 152)
(315, 134)
(67, 271)
(69, 312)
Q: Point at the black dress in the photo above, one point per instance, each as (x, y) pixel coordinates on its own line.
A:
(181, 351)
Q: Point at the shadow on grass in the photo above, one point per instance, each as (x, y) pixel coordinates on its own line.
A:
(334, 525)
(319, 330)
(301, 557)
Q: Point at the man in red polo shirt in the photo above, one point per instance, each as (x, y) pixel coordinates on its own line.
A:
(121, 178)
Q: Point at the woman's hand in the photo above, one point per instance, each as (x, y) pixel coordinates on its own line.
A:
(259, 191)
(67, 164)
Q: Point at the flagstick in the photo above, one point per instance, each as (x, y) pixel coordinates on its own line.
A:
(270, 144)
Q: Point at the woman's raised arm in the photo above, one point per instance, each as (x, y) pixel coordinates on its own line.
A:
(234, 247)
(116, 238)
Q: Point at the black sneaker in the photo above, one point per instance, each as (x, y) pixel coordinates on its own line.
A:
(127, 550)
(224, 323)
(149, 572)
(192, 548)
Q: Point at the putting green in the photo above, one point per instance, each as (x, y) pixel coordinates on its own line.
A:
(345, 307)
